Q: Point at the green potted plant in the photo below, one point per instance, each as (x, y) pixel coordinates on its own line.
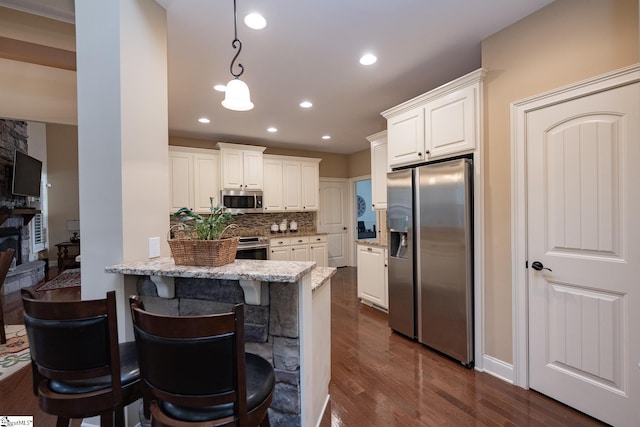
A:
(208, 227)
(198, 239)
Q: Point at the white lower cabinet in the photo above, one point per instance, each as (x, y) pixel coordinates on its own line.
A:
(303, 248)
(318, 251)
(372, 276)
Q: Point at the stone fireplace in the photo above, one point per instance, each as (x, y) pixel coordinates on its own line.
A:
(14, 230)
(11, 238)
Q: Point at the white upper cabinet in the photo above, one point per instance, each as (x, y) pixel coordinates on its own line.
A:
(241, 166)
(450, 123)
(180, 179)
(291, 180)
(379, 169)
(272, 193)
(406, 130)
(310, 184)
(194, 177)
(441, 123)
(206, 175)
(291, 184)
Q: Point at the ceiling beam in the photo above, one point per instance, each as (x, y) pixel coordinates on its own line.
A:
(18, 50)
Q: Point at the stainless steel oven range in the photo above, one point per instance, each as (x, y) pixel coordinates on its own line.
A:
(253, 248)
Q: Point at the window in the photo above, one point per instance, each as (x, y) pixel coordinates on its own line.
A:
(37, 233)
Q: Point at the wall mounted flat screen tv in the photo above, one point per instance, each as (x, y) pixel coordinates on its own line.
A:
(27, 172)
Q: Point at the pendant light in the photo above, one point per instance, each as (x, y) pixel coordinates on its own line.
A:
(237, 96)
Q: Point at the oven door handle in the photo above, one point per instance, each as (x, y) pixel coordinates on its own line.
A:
(259, 246)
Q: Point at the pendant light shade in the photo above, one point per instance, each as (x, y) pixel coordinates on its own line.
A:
(237, 96)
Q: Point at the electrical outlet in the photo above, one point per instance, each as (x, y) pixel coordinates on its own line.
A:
(154, 247)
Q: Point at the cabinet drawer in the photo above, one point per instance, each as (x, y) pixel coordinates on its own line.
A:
(285, 241)
(318, 239)
(299, 240)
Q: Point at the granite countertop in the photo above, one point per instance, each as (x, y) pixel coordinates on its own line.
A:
(240, 269)
(320, 276)
(371, 242)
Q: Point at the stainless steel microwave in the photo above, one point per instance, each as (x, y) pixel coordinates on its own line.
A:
(241, 201)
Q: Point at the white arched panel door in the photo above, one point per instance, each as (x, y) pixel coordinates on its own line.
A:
(583, 230)
(333, 219)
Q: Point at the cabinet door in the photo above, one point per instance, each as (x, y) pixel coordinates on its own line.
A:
(450, 123)
(232, 169)
(180, 180)
(379, 174)
(272, 193)
(206, 177)
(406, 137)
(310, 185)
(318, 253)
(291, 185)
(252, 166)
(371, 275)
(281, 253)
(300, 253)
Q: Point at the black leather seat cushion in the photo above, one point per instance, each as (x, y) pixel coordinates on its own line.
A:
(260, 382)
(129, 372)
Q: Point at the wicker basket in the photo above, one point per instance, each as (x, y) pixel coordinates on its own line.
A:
(202, 253)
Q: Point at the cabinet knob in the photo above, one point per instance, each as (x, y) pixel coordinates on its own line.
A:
(419, 154)
(373, 205)
(369, 249)
(428, 152)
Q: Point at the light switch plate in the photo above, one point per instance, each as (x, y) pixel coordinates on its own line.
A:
(154, 247)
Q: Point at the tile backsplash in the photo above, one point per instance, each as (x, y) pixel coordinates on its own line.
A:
(260, 224)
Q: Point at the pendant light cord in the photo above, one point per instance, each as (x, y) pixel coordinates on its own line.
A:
(236, 43)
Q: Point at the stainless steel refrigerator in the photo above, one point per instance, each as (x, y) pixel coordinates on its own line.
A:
(429, 218)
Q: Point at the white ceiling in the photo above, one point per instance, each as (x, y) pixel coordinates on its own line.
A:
(310, 50)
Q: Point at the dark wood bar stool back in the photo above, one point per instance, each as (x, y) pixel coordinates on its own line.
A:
(195, 371)
(5, 262)
(79, 368)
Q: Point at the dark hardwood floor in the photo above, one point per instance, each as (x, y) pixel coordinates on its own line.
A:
(379, 378)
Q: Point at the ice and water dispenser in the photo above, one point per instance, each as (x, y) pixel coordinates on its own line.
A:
(398, 244)
(398, 235)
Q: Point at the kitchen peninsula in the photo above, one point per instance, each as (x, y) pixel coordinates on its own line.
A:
(287, 319)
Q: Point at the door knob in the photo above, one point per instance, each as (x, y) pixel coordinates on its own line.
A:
(537, 266)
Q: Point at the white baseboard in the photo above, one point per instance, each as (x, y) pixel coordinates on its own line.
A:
(498, 368)
(324, 408)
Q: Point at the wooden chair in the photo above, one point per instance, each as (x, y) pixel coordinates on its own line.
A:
(195, 371)
(79, 369)
(5, 262)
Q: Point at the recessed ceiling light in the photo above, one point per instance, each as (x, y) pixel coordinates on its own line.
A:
(368, 59)
(204, 120)
(220, 88)
(272, 129)
(306, 104)
(255, 21)
(326, 136)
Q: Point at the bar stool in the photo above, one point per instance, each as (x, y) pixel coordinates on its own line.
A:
(195, 371)
(79, 369)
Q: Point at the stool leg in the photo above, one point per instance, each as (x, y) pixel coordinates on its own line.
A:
(3, 334)
(106, 420)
